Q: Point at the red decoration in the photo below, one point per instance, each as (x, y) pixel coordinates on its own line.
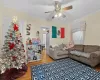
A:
(14, 58)
(10, 34)
(62, 32)
(15, 27)
(18, 40)
(11, 45)
(22, 45)
(14, 49)
(24, 56)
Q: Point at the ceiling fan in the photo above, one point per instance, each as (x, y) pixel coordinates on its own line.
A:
(58, 11)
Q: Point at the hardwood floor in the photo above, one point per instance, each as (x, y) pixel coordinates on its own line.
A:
(45, 59)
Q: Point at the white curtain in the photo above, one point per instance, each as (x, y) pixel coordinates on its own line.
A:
(78, 30)
(78, 37)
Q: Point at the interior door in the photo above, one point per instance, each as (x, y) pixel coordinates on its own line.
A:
(47, 42)
(44, 39)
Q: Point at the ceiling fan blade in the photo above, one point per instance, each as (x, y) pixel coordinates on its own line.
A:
(50, 16)
(67, 8)
(63, 15)
(48, 12)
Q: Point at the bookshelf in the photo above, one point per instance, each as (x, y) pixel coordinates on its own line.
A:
(33, 50)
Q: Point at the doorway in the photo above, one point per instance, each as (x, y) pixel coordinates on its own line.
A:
(46, 38)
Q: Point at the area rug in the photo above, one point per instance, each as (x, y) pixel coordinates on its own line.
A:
(65, 69)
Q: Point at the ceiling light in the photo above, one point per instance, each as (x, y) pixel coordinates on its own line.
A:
(56, 15)
(44, 29)
(60, 14)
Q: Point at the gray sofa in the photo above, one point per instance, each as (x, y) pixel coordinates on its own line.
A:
(88, 54)
(58, 52)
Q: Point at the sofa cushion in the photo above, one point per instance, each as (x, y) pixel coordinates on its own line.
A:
(90, 48)
(61, 53)
(61, 46)
(86, 55)
(54, 45)
(56, 48)
(79, 53)
(79, 47)
(75, 52)
(95, 54)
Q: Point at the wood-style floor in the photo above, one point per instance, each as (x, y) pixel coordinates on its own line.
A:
(45, 59)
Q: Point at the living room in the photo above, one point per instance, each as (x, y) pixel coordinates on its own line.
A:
(72, 40)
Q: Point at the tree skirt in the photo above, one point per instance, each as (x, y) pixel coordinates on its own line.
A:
(65, 69)
(13, 73)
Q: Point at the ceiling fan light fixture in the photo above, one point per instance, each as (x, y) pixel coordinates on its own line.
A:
(56, 15)
(60, 14)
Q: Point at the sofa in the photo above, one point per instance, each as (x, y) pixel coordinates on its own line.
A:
(58, 51)
(88, 54)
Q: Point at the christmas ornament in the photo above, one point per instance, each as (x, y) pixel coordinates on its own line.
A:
(10, 34)
(11, 45)
(15, 49)
(22, 45)
(14, 58)
(17, 33)
(19, 41)
(15, 27)
(24, 50)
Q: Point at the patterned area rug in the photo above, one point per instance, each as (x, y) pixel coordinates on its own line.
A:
(65, 69)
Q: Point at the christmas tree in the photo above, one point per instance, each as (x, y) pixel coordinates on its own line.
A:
(13, 50)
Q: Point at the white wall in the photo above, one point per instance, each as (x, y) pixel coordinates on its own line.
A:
(92, 34)
(0, 28)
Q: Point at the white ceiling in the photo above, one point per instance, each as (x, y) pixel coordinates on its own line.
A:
(36, 8)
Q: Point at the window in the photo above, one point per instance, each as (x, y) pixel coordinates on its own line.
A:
(78, 37)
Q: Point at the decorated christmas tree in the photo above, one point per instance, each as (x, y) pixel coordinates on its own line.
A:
(13, 50)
